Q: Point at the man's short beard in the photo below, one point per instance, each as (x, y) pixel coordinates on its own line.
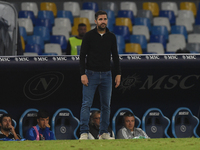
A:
(5, 129)
(100, 28)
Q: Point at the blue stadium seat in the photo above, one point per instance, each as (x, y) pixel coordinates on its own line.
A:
(177, 29)
(169, 14)
(111, 16)
(44, 22)
(59, 39)
(110, 25)
(45, 14)
(120, 44)
(14, 123)
(155, 124)
(64, 124)
(126, 14)
(143, 21)
(160, 30)
(193, 47)
(94, 109)
(197, 19)
(33, 48)
(43, 32)
(36, 39)
(184, 123)
(145, 14)
(66, 14)
(105, 5)
(27, 14)
(22, 31)
(117, 120)
(123, 31)
(27, 120)
(90, 6)
(140, 39)
(158, 39)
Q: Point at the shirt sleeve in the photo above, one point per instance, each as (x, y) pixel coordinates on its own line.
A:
(115, 57)
(143, 133)
(30, 134)
(121, 134)
(49, 134)
(83, 53)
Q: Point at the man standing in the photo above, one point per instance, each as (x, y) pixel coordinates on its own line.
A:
(7, 130)
(41, 131)
(98, 44)
(128, 131)
(75, 42)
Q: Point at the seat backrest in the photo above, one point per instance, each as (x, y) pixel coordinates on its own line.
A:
(44, 22)
(31, 6)
(124, 22)
(33, 48)
(173, 47)
(155, 48)
(27, 14)
(160, 30)
(59, 39)
(43, 32)
(143, 21)
(193, 47)
(90, 6)
(140, 39)
(158, 39)
(22, 31)
(120, 44)
(123, 31)
(153, 6)
(27, 24)
(184, 123)
(133, 48)
(14, 123)
(186, 14)
(61, 31)
(169, 14)
(27, 120)
(53, 48)
(117, 120)
(110, 6)
(36, 39)
(47, 15)
(155, 124)
(126, 14)
(63, 22)
(129, 6)
(188, 6)
(179, 29)
(178, 38)
(170, 6)
(76, 23)
(66, 14)
(162, 21)
(145, 14)
(64, 124)
(74, 7)
(185, 22)
(90, 14)
(194, 38)
(49, 6)
(141, 30)
(196, 29)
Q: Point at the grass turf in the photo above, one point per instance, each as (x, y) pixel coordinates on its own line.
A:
(146, 144)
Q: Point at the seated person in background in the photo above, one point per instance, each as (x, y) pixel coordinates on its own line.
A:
(128, 131)
(95, 124)
(7, 130)
(76, 41)
(41, 131)
(182, 51)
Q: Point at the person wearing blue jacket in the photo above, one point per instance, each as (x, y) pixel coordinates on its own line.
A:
(42, 130)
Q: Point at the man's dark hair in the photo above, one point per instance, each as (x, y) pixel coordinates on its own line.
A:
(128, 114)
(42, 114)
(100, 12)
(182, 51)
(5, 115)
(81, 25)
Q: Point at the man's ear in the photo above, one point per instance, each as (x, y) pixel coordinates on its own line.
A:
(95, 21)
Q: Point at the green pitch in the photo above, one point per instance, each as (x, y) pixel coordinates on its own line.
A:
(136, 144)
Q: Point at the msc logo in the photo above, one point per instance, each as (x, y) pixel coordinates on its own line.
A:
(42, 85)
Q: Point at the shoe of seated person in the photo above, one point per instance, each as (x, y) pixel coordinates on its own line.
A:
(106, 136)
(84, 136)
